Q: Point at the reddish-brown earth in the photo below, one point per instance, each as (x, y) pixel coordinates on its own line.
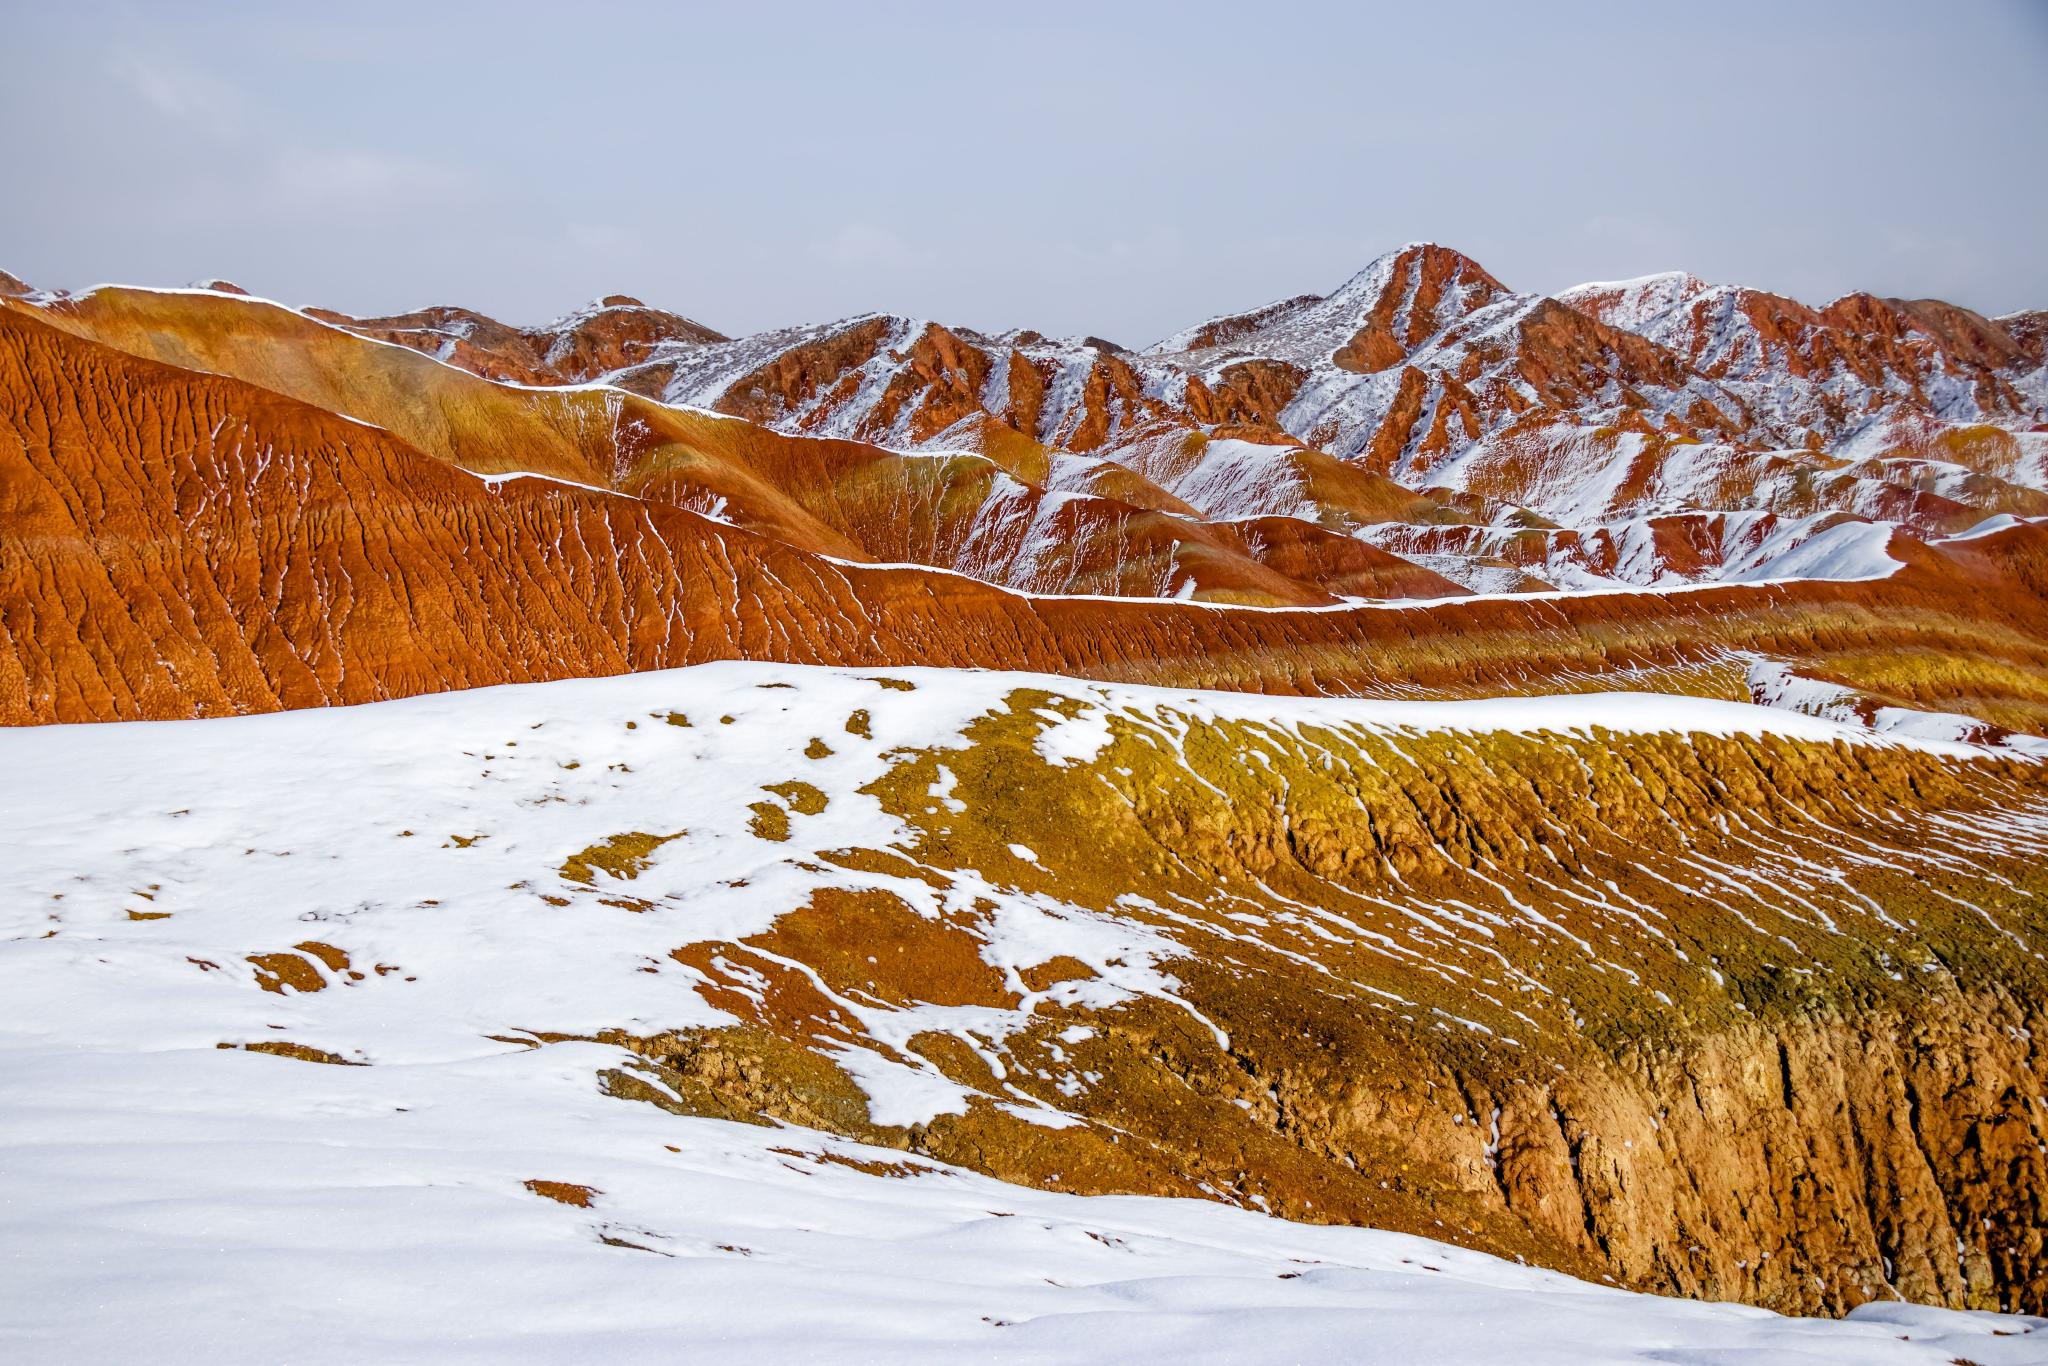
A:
(615, 332)
(185, 544)
(1731, 1017)
(1443, 401)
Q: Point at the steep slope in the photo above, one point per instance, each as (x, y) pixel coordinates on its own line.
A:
(1697, 996)
(1027, 520)
(909, 382)
(1820, 374)
(1598, 411)
(183, 544)
(1423, 353)
(463, 1196)
(1719, 976)
(1419, 354)
(1653, 433)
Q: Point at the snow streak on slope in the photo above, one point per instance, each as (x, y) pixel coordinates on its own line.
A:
(1773, 684)
(195, 915)
(1843, 368)
(1585, 416)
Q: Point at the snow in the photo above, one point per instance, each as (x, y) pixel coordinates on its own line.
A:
(502, 478)
(191, 1205)
(1850, 550)
(164, 1198)
(1775, 685)
(1576, 471)
(1997, 522)
(1234, 479)
(1074, 740)
(601, 385)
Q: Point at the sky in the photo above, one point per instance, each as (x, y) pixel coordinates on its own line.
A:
(1116, 169)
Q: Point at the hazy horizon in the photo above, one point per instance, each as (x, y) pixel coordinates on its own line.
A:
(1120, 173)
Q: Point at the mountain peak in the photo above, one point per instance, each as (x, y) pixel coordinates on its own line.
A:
(1636, 305)
(1430, 260)
(583, 313)
(1401, 300)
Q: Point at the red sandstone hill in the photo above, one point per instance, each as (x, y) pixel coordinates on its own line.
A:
(179, 542)
(1577, 437)
(1418, 432)
(610, 334)
(218, 503)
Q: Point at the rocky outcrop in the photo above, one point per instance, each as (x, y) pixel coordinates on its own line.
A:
(1013, 516)
(611, 334)
(1598, 416)
(1815, 373)
(1733, 1017)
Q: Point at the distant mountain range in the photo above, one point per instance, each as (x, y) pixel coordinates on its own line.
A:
(626, 487)
(1420, 431)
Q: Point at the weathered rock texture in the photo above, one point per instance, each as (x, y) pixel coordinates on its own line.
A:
(1731, 1017)
(1653, 433)
(179, 543)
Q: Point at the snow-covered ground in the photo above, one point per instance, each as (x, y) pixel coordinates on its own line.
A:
(183, 1204)
(164, 1198)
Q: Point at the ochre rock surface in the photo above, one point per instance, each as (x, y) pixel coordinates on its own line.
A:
(1735, 1017)
(1648, 434)
(1005, 514)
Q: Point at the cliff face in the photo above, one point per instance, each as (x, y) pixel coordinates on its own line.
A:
(1606, 404)
(1698, 997)
(1015, 517)
(416, 984)
(1735, 1017)
(1807, 1168)
(610, 334)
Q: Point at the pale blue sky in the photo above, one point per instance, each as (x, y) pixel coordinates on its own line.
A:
(1116, 169)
